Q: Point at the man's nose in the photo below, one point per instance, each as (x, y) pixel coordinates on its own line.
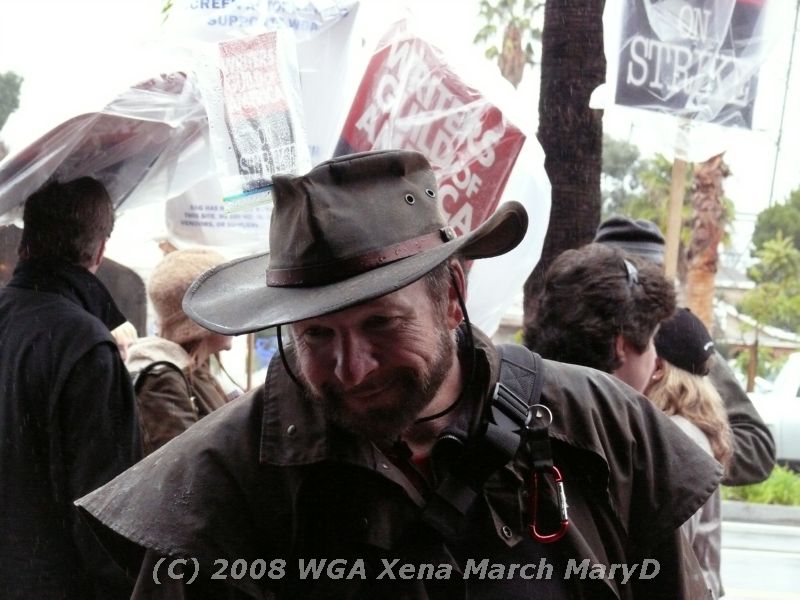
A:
(355, 360)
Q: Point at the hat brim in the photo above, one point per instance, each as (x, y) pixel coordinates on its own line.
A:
(234, 298)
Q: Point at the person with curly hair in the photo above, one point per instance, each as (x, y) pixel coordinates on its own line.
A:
(600, 308)
(753, 447)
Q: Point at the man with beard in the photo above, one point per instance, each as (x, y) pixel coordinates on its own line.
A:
(377, 459)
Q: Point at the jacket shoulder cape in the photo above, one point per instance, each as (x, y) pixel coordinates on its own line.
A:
(632, 475)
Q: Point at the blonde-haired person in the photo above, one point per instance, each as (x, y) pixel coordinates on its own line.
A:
(174, 384)
(682, 390)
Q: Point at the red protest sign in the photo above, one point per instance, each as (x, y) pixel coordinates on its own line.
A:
(409, 98)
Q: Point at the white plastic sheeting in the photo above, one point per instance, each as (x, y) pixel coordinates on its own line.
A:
(151, 147)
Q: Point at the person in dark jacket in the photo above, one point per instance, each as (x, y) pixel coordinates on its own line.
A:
(753, 447)
(393, 451)
(67, 413)
(175, 387)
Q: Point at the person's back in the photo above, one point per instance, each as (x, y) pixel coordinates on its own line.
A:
(174, 384)
(67, 416)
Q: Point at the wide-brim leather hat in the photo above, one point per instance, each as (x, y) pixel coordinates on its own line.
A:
(352, 229)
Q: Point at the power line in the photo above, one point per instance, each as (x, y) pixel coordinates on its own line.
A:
(783, 108)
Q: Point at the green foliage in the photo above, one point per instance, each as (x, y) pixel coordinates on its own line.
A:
(768, 363)
(619, 158)
(10, 84)
(634, 186)
(781, 218)
(640, 187)
(776, 298)
(498, 15)
(779, 261)
(781, 487)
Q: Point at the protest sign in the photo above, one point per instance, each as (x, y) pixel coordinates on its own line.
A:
(410, 98)
(697, 59)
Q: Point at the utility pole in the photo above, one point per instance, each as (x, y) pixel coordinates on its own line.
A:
(676, 197)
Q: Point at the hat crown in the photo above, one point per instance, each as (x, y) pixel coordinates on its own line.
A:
(635, 236)
(353, 229)
(167, 285)
(349, 215)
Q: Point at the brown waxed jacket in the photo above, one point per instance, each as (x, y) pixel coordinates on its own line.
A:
(266, 478)
(170, 398)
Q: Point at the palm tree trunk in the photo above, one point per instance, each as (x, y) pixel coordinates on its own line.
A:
(708, 228)
(512, 57)
(573, 65)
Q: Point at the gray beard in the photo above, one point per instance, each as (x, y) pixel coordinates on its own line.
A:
(417, 389)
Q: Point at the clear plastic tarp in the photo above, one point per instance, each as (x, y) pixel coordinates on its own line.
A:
(152, 147)
(147, 144)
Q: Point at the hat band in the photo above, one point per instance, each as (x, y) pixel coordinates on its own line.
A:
(339, 270)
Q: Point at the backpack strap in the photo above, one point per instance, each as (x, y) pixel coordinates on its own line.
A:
(139, 378)
(472, 462)
(524, 380)
(519, 387)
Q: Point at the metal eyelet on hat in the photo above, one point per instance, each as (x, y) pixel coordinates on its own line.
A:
(430, 192)
(410, 199)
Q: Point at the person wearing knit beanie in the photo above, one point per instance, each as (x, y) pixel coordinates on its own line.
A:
(174, 384)
(168, 284)
(754, 450)
(635, 236)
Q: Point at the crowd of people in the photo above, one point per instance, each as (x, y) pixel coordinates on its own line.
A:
(393, 450)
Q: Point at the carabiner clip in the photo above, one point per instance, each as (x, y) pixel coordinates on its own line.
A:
(548, 538)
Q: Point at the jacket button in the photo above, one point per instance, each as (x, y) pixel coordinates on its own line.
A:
(506, 531)
(291, 430)
(363, 523)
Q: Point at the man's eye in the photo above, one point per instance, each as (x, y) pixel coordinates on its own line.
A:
(316, 333)
(379, 322)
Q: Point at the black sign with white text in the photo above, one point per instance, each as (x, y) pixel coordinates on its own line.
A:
(697, 59)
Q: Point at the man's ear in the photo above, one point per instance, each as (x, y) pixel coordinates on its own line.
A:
(620, 348)
(458, 285)
(660, 371)
(98, 257)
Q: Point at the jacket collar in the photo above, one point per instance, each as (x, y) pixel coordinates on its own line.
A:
(73, 282)
(147, 350)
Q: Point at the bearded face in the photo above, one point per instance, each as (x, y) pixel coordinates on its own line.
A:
(377, 365)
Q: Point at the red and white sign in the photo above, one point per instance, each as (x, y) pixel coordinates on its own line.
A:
(409, 98)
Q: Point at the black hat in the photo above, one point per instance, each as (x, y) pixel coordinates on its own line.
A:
(684, 341)
(638, 237)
